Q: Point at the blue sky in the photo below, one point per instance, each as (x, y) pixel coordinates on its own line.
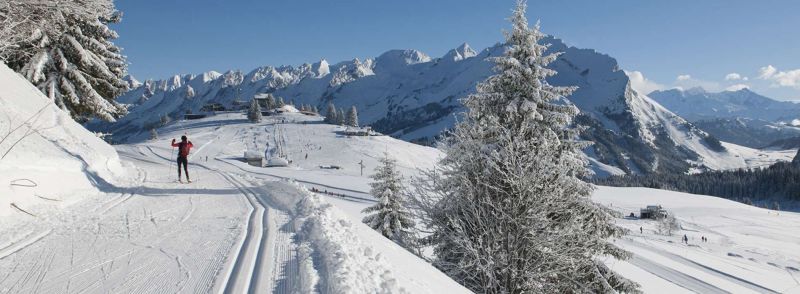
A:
(662, 44)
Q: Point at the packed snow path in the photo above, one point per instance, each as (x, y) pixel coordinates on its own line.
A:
(161, 236)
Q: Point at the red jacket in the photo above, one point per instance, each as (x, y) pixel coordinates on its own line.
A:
(183, 148)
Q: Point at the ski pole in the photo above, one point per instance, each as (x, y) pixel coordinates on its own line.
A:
(171, 160)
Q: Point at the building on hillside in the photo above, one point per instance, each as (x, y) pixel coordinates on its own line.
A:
(277, 162)
(309, 113)
(254, 158)
(191, 116)
(262, 100)
(212, 107)
(653, 212)
(357, 131)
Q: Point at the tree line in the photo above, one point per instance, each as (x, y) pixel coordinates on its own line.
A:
(765, 186)
(337, 116)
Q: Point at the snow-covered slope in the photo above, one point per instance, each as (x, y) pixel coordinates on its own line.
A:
(764, 239)
(235, 229)
(411, 96)
(46, 156)
(661, 264)
(749, 249)
(240, 228)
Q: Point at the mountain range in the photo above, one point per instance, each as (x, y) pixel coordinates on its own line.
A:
(409, 95)
(742, 117)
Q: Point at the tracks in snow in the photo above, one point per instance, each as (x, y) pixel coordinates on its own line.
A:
(247, 263)
(265, 261)
(688, 280)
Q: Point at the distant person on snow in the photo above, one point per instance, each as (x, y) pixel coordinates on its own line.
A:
(183, 152)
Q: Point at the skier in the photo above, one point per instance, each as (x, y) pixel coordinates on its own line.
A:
(641, 231)
(183, 152)
(685, 239)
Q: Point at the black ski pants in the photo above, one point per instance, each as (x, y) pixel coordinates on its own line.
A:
(182, 160)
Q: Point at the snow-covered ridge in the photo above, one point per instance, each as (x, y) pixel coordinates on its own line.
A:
(46, 154)
(411, 96)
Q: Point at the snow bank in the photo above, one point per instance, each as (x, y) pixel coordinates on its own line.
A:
(348, 265)
(47, 157)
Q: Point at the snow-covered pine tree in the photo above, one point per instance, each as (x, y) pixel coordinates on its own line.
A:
(668, 224)
(254, 113)
(331, 113)
(340, 117)
(352, 117)
(153, 134)
(280, 103)
(506, 205)
(314, 109)
(21, 22)
(270, 103)
(389, 215)
(69, 55)
(165, 119)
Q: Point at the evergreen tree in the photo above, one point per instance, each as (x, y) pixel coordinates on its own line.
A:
(389, 216)
(506, 205)
(254, 113)
(270, 102)
(667, 225)
(314, 109)
(153, 134)
(68, 54)
(280, 103)
(352, 117)
(749, 186)
(165, 119)
(331, 114)
(340, 117)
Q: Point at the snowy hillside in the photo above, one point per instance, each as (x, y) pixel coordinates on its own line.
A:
(240, 227)
(716, 218)
(749, 249)
(411, 96)
(236, 229)
(655, 264)
(47, 158)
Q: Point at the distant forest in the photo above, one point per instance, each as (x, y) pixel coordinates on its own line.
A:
(765, 187)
